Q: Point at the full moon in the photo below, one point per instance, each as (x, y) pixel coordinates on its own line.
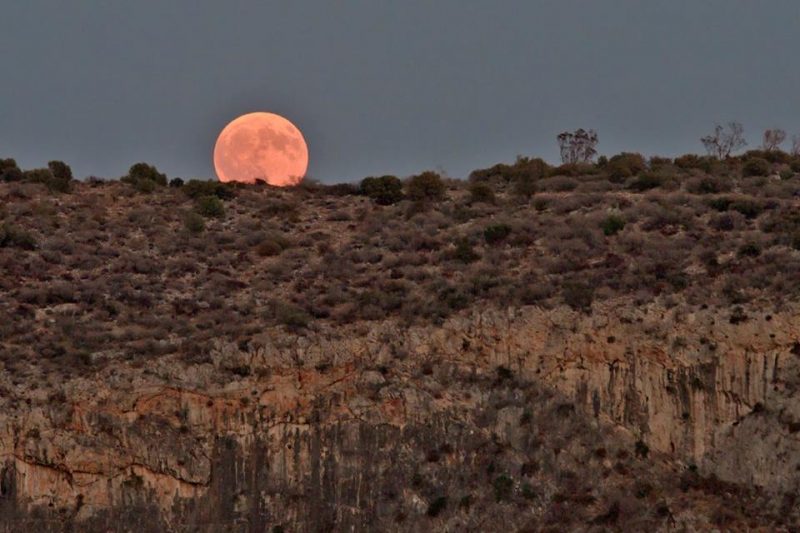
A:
(261, 146)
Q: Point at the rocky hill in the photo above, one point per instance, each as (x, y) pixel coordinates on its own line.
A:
(608, 347)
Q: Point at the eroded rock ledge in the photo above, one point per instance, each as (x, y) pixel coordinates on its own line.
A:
(333, 428)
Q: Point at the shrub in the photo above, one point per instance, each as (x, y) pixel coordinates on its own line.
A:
(749, 250)
(38, 175)
(794, 240)
(756, 166)
(707, 164)
(645, 182)
(60, 170)
(707, 185)
(385, 190)
(453, 298)
(176, 182)
(558, 184)
(210, 207)
(144, 186)
(749, 208)
(524, 174)
(540, 204)
(624, 165)
(720, 203)
(609, 517)
(525, 171)
(194, 222)
(437, 506)
(573, 170)
(496, 233)
(272, 244)
(771, 156)
(503, 485)
(290, 315)
(578, 295)
(9, 171)
(657, 162)
(723, 222)
(528, 492)
(197, 188)
(59, 185)
(641, 449)
(525, 186)
(612, 225)
(46, 177)
(426, 186)
(464, 252)
(499, 171)
(341, 189)
(140, 172)
(12, 237)
(481, 192)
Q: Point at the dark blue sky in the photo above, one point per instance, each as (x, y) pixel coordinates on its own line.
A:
(388, 87)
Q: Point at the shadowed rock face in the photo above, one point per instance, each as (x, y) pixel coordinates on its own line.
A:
(527, 418)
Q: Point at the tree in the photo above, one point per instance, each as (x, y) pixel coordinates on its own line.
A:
(426, 186)
(773, 139)
(796, 145)
(46, 177)
(143, 172)
(385, 190)
(722, 142)
(60, 170)
(9, 171)
(624, 165)
(578, 146)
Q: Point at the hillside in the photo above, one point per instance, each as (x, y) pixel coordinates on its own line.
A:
(587, 347)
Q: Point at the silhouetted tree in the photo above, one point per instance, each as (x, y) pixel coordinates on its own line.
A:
(773, 139)
(143, 172)
(722, 142)
(578, 146)
(9, 171)
(624, 165)
(426, 186)
(60, 170)
(385, 190)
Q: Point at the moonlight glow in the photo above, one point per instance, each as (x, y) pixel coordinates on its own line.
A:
(261, 146)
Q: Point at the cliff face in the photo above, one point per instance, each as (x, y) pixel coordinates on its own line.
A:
(510, 415)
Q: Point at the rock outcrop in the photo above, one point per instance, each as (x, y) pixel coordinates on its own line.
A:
(378, 426)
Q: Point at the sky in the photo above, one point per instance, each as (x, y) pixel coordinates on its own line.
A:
(380, 87)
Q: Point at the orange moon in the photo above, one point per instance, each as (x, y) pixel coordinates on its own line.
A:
(262, 146)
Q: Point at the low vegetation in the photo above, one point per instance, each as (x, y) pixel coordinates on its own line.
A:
(136, 260)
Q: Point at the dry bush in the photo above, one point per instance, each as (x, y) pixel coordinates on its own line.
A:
(376, 263)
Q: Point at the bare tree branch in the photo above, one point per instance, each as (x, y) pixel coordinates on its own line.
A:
(773, 139)
(722, 142)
